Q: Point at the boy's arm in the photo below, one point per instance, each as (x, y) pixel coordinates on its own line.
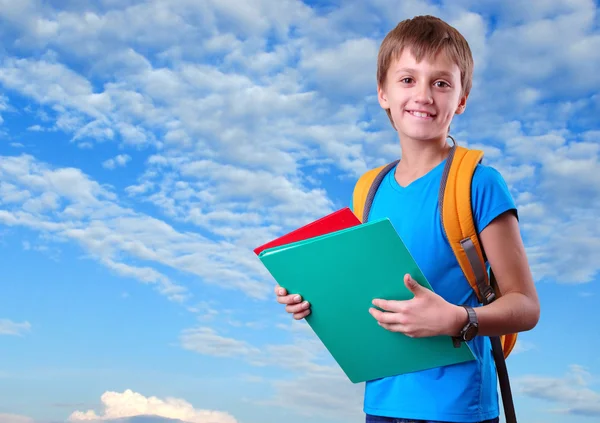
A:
(518, 309)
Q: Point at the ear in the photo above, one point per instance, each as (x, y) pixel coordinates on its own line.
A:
(462, 105)
(382, 97)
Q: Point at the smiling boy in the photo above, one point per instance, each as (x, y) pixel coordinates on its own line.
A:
(424, 77)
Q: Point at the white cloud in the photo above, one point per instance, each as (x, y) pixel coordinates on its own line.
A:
(91, 215)
(225, 156)
(539, 49)
(317, 386)
(304, 354)
(205, 310)
(8, 327)
(118, 161)
(49, 82)
(127, 404)
(316, 395)
(545, 9)
(69, 183)
(572, 391)
(11, 193)
(15, 418)
(560, 217)
(523, 346)
(84, 211)
(391, 12)
(4, 106)
(206, 341)
(47, 201)
(551, 178)
(359, 55)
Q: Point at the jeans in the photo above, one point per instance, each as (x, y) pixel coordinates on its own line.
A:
(380, 419)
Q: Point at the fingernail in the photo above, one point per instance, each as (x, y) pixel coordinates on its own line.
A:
(297, 298)
(305, 304)
(281, 292)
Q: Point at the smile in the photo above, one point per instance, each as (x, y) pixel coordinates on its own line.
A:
(421, 115)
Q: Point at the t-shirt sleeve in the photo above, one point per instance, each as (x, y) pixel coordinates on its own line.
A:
(490, 196)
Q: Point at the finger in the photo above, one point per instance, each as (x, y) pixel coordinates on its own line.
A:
(299, 316)
(387, 317)
(389, 305)
(397, 327)
(412, 285)
(280, 291)
(289, 299)
(297, 308)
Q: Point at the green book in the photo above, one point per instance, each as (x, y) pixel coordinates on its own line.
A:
(340, 273)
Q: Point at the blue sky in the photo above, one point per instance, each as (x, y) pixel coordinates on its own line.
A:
(147, 147)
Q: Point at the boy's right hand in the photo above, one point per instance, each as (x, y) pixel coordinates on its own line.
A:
(294, 303)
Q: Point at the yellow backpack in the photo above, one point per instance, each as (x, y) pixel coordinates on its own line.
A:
(457, 220)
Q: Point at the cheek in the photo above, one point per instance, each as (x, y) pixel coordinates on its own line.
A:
(448, 110)
(397, 103)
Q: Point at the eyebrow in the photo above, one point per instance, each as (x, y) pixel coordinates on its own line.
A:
(446, 74)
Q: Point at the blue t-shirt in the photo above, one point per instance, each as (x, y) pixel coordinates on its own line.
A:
(464, 392)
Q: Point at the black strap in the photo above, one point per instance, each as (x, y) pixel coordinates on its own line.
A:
(507, 400)
(498, 353)
(487, 293)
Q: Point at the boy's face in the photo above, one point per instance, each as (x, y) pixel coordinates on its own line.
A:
(422, 97)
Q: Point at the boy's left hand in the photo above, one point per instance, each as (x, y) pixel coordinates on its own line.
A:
(427, 314)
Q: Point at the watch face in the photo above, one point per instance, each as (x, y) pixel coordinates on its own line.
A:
(470, 332)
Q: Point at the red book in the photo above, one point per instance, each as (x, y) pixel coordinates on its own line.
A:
(338, 220)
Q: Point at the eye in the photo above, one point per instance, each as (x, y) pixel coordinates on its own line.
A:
(406, 80)
(441, 84)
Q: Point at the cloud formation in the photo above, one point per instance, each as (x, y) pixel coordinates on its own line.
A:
(8, 327)
(127, 404)
(228, 142)
(119, 161)
(571, 393)
(15, 418)
(248, 119)
(318, 387)
(66, 204)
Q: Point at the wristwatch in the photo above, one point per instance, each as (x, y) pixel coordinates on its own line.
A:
(469, 331)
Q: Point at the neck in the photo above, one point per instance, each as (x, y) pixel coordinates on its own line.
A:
(422, 155)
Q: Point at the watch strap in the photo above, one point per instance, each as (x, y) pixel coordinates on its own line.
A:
(471, 313)
(472, 319)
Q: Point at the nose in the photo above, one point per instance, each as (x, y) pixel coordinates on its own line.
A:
(423, 93)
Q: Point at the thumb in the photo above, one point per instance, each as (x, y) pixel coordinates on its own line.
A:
(412, 285)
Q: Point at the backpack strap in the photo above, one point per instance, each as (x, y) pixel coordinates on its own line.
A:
(459, 226)
(365, 189)
(457, 218)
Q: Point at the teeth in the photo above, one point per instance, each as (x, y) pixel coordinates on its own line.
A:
(420, 114)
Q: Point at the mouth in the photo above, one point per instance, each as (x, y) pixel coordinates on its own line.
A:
(421, 114)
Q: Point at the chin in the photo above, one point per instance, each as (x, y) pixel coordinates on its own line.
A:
(421, 136)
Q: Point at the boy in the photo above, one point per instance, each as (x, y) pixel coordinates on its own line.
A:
(424, 77)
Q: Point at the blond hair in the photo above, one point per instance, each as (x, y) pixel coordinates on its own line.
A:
(426, 36)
